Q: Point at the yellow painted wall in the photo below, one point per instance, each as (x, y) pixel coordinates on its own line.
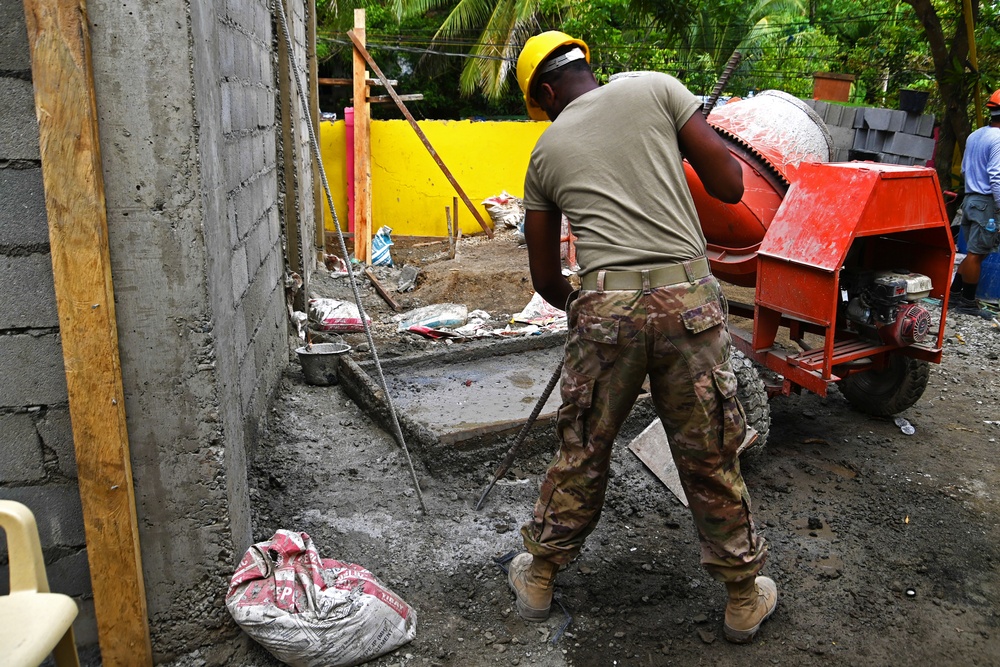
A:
(409, 190)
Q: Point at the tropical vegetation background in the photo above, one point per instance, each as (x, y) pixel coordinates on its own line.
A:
(461, 54)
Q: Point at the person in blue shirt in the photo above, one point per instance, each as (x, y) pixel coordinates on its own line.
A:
(981, 170)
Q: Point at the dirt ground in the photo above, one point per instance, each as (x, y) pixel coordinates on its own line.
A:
(885, 546)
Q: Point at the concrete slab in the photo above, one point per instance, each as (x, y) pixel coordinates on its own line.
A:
(466, 396)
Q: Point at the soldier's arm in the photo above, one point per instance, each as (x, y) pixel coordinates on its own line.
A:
(541, 232)
(716, 167)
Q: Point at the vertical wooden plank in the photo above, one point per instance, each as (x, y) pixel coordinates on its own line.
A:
(319, 241)
(359, 48)
(78, 235)
(286, 95)
(362, 150)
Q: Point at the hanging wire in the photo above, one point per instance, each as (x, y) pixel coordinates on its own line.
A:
(314, 143)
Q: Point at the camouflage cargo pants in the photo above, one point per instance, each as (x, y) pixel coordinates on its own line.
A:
(677, 335)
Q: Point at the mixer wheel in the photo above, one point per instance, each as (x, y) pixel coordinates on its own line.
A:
(888, 391)
(752, 395)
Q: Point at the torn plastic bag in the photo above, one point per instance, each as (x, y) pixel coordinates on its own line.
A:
(436, 316)
(315, 612)
(381, 243)
(334, 315)
(538, 311)
(504, 209)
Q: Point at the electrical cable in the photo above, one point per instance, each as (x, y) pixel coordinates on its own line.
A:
(278, 7)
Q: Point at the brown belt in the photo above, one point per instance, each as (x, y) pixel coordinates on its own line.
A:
(610, 281)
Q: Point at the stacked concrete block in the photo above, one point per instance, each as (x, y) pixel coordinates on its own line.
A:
(894, 137)
(880, 135)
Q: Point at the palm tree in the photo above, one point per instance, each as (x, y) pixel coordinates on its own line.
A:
(503, 27)
(717, 32)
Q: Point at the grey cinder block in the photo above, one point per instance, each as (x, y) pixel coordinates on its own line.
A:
(28, 299)
(896, 120)
(57, 511)
(57, 435)
(910, 145)
(36, 360)
(14, 54)
(23, 222)
(22, 459)
(18, 127)
(877, 119)
(843, 137)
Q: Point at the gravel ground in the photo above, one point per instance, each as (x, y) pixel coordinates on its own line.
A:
(884, 545)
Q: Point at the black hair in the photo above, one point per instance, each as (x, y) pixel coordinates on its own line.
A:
(555, 75)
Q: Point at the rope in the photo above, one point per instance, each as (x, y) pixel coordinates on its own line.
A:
(314, 143)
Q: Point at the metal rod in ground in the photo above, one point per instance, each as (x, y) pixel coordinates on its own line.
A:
(314, 145)
(512, 452)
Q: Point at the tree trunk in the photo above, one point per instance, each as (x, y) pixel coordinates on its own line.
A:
(954, 82)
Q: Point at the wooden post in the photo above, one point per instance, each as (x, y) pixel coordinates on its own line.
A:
(451, 238)
(359, 47)
(362, 150)
(66, 108)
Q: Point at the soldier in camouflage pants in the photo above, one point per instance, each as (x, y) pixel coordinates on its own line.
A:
(677, 336)
(649, 306)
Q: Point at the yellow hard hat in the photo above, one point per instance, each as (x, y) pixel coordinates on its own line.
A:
(535, 51)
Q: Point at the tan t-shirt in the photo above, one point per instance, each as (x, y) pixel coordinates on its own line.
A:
(610, 162)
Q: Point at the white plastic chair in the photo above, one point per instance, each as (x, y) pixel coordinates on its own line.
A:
(34, 622)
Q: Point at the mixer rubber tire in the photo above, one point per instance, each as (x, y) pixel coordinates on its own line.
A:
(752, 394)
(889, 391)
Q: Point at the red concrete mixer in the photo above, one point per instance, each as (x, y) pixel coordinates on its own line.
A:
(840, 256)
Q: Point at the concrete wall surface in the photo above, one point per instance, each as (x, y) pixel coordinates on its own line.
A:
(186, 99)
(409, 190)
(37, 461)
(189, 115)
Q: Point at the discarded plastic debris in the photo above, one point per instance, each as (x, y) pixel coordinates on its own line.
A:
(540, 312)
(301, 322)
(905, 426)
(475, 325)
(314, 612)
(335, 265)
(433, 334)
(436, 316)
(504, 209)
(911, 592)
(334, 315)
(380, 247)
(407, 278)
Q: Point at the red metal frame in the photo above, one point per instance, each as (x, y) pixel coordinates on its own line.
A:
(898, 212)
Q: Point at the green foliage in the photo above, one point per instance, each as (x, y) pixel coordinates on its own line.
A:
(785, 59)
(881, 42)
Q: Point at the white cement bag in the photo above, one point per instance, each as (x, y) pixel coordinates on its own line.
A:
(504, 209)
(334, 315)
(313, 612)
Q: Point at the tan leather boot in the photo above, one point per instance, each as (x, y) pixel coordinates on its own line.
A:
(532, 580)
(751, 601)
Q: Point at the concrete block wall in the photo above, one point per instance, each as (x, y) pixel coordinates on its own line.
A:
(37, 464)
(189, 119)
(303, 157)
(882, 135)
(188, 114)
